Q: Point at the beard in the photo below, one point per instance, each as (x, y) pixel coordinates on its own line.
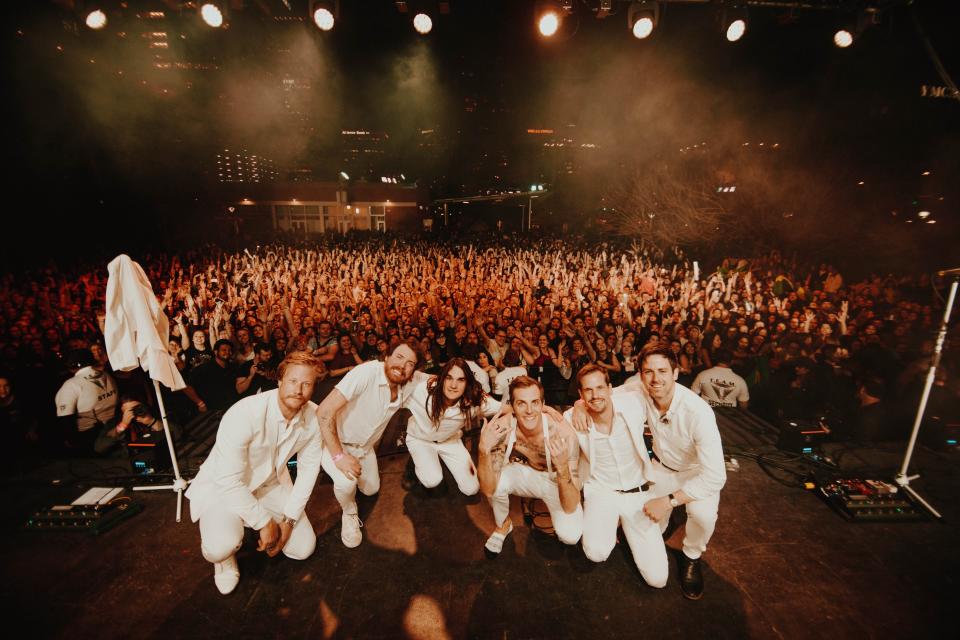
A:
(397, 376)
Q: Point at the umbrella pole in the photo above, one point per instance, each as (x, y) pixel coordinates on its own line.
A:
(179, 484)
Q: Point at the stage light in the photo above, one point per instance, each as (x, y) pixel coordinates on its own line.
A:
(736, 30)
(323, 19)
(734, 21)
(212, 15)
(324, 15)
(642, 18)
(550, 15)
(422, 23)
(924, 214)
(851, 30)
(96, 19)
(642, 28)
(548, 23)
(843, 38)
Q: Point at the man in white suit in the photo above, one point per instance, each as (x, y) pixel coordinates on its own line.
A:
(245, 482)
(617, 470)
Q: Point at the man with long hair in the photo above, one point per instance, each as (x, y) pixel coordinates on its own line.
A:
(441, 409)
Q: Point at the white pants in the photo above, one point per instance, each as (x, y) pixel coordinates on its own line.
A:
(701, 514)
(521, 480)
(345, 489)
(427, 455)
(221, 530)
(603, 509)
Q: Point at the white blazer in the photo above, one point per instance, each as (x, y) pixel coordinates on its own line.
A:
(249, 453)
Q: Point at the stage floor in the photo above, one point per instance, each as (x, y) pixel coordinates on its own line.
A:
(781, 564)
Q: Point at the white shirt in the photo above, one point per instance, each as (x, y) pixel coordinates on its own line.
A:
(369, 405)
(614, 462)
(482, 376)
(452, 421)
(501, 386)
(721, 387)
(91, 394)
(686, 437)
(630, 411)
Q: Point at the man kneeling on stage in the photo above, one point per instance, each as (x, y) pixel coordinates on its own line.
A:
(617, 469)
(525, 455)
(245, 482)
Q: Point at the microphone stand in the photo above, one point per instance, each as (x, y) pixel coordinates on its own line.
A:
(902, 479)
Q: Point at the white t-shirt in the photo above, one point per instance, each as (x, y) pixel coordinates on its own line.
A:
(501, 386)
(91, 395)
(721, 387)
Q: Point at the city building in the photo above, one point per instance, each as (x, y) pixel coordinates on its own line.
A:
(311, 208)
(242, 167)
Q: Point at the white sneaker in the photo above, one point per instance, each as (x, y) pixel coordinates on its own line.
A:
(494, 543)
(226, 575)
(350, 534)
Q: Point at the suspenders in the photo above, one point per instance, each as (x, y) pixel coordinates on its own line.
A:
(512, 438)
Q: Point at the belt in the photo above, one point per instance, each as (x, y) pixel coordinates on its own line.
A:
(644, 487)
(654, 457)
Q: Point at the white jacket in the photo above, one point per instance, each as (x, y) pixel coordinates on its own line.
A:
(136, 329)
(249, 453)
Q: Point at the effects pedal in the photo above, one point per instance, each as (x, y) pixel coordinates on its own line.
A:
(94, 519)
(867, 500)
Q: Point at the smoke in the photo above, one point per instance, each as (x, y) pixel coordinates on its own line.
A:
(282, 104)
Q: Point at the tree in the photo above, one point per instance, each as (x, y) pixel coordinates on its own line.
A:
(667, 206)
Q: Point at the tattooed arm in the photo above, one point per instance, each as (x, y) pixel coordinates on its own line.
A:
(493, 449)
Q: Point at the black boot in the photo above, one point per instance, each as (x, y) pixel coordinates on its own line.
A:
(691, 577)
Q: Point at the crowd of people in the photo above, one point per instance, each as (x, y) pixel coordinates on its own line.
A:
(807, 343)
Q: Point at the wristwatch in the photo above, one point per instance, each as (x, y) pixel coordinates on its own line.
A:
(288, 520)
(673, 501)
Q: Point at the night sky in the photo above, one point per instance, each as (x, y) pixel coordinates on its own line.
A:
(118, 141)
